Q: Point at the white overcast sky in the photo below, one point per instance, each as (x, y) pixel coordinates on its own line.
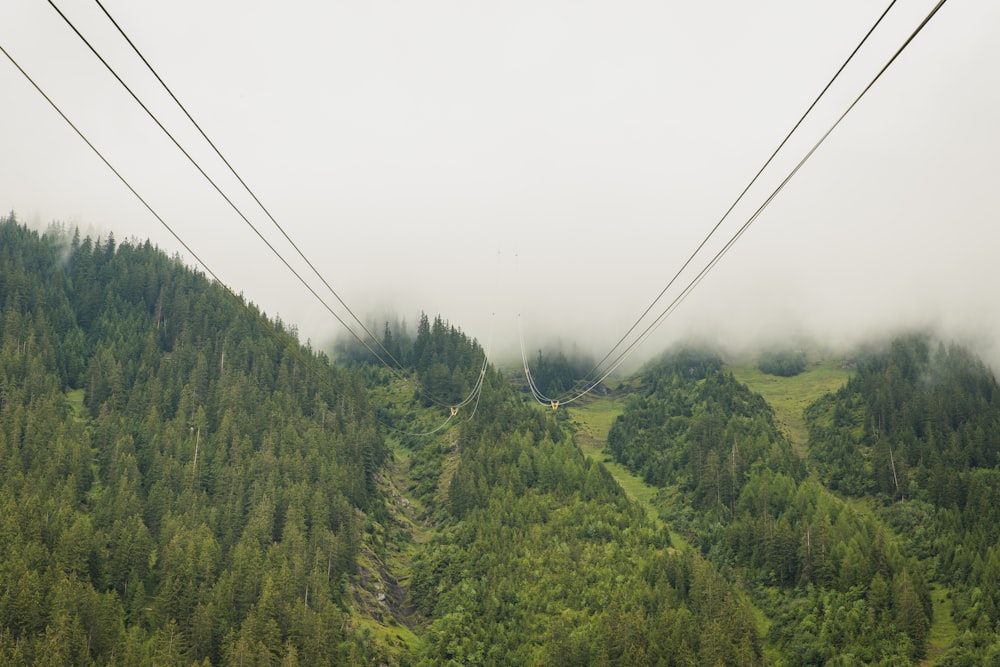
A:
(538, 165)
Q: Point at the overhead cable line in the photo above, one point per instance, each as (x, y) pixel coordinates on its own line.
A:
(739, 198)
(532, 386)
(420, 434)
(746, 225)
(739, 233)
(246, 306)
(473, 396)
(479, 395)
(537, 394)
(112, 168)
(478, 389)
(246, 187)
(230, 201)
(217, 188)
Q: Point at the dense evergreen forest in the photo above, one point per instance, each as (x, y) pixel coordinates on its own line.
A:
(185, 482)
(182, 480)
(898, 494)
(918, 428)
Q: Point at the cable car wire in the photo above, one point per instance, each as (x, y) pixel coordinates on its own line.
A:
(231, 203)
(112, 168)
(474, 395)
(197, 166)
(256, 314)
(746, 225)
(243, 183)
(267, 326)
(739, 198)
(532, 387)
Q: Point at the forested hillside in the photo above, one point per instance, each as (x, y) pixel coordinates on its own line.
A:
(537, 556)
(184, 483)
(182, 480)
(897, 498)
(918, 428)
(836, 584)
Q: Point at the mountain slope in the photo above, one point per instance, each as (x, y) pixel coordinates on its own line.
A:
(790, 396)
(202, 503)
(832, 577)
(918, 428)
(184, 482)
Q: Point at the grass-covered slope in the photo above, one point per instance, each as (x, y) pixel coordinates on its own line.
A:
(789, 396)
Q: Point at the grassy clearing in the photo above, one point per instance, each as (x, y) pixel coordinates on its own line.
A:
(789, 396)
(943, 629)
(75, 399)
(410, 512)
(593, 420)
(392, 636)
(382, 609)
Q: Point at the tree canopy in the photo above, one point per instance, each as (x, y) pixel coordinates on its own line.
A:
(185, 482)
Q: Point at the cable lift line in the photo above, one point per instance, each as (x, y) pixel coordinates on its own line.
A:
(235, 208)
(419, 434)
(479, 395)
(474, 395)
(532, 387)
(694, 282)
(243, 183)
(746, 225)
(200, 169)
(536, 393)
(478, 390)
(257, 315)
(113, 170)
(739, 198)
(212, 182)
(453, 410)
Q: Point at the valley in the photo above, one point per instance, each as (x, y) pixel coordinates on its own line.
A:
(186, 483)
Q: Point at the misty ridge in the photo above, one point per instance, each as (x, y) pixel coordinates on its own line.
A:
(742, 338)
(559, 364)
(194, 483)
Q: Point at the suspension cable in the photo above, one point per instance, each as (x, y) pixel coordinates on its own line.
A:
(243, 183)
(232, 205)
(739, 198)
(746, 225)
(255, 314)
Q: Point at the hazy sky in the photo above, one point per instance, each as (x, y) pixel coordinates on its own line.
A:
(548, 163)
